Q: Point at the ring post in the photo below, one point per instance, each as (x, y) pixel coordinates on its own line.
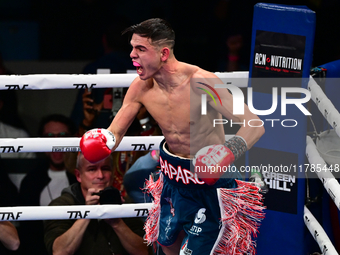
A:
(281, 56)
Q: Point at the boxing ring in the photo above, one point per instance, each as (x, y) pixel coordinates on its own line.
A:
(36, 82)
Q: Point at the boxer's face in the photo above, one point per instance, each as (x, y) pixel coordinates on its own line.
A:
(146, 57)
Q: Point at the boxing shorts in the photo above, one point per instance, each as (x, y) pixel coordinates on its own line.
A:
(208, 214)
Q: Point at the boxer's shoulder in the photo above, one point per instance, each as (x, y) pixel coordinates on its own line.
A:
(201, 73)
(138, 83)
(138, 88)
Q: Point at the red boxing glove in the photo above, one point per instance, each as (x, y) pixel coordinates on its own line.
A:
(96, 144)
(211, 162)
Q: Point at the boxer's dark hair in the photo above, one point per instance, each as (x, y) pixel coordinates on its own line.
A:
(158, 30)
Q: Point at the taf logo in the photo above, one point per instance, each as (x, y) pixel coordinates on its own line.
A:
(204, 97)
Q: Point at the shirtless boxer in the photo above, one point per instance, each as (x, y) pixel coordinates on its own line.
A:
(189, 206)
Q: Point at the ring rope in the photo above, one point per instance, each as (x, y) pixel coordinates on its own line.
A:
(318, 233)
(71, 144)
(21, 213)
(325, 105)
(331, 184)
(332, 187)
(332, 115)
(315, 159)
(82, 81)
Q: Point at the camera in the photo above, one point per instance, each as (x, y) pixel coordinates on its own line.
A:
(109, 195)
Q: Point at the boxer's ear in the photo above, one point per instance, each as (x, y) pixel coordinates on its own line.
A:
(165, 53)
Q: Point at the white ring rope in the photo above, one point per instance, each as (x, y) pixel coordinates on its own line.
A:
(82, 81)
(332, 115)
(70, 144)
(318, 233)
(331, 185)
(128, 143)
(325, 105)
(64, 81)
(21, 213)
(316, 160)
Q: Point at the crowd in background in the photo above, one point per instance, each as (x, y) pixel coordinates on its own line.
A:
(71, 30)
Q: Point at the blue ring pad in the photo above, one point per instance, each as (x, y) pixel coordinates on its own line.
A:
(281, 33)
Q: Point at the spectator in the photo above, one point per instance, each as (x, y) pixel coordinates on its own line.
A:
(3, 69)
(234, 57)
(8, 188)
(116, 51)
(8, 237)
(116, 59)
(41, 186)
(88, 236)
(11, 126)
